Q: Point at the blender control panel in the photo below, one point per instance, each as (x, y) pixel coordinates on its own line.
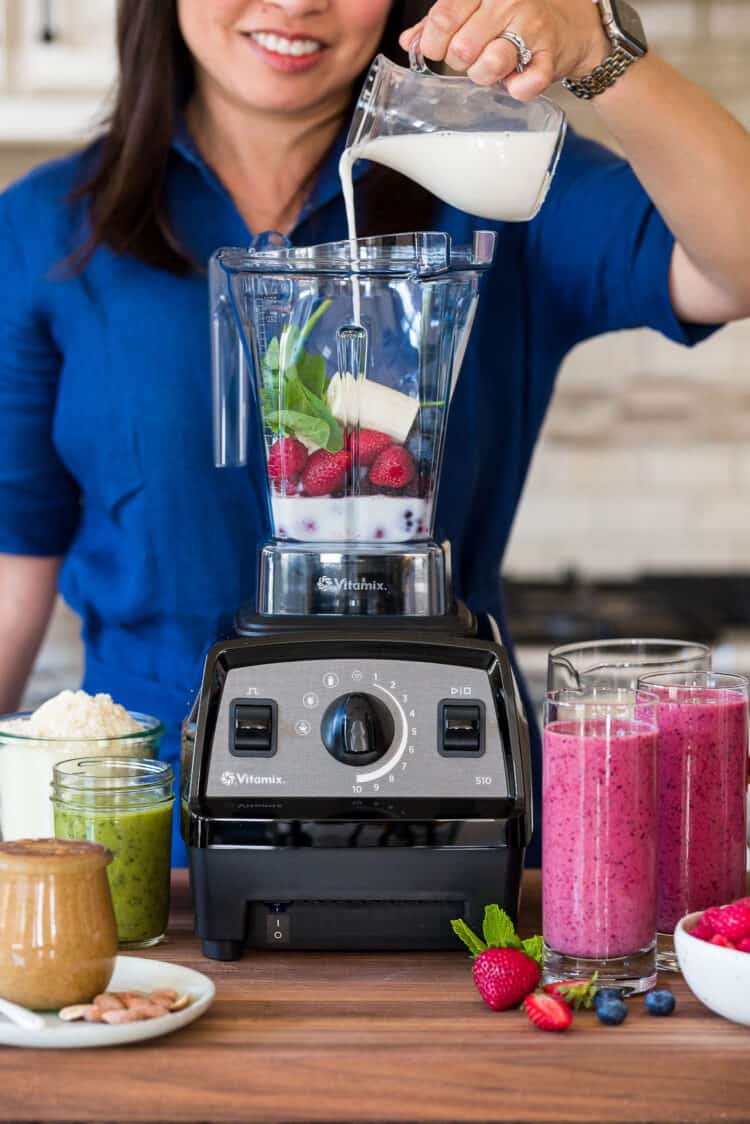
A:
(348, 728)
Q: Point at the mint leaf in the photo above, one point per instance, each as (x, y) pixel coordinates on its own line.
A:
(312, 373)
(498, 929)
(301, 425)
(468, 936)
(534, 948)
(271, 357)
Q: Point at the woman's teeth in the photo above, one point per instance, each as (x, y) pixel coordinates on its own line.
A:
(281, 46)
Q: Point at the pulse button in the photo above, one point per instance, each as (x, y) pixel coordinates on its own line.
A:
(252, 728)
(460, 729)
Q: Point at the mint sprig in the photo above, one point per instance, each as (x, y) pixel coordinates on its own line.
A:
(499, 932)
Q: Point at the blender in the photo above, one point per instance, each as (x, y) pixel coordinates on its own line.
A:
(356, 770)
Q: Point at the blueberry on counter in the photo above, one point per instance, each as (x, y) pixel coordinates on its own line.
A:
(610, 1009)
(610, 993)
(660, 1002)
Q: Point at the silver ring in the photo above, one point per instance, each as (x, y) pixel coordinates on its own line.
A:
(524, 54)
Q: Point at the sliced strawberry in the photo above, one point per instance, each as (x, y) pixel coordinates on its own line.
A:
(325, 472)
(504, 976)
(370, 442)
(722, 941)
(548, 1012)
(393, 468)
(287, 458)
(733, 921)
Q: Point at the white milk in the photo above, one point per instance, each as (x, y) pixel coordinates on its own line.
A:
(500, 176)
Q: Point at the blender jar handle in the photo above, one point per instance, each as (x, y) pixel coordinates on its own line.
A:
(229, 375)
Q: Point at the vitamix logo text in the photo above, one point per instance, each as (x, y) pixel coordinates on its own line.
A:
(228, 778)
(349, 585)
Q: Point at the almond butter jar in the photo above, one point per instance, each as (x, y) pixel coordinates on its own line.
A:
(58, 939)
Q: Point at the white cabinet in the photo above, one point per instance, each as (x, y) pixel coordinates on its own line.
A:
(57, 66)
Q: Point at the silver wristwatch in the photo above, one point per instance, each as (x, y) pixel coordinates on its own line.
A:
(625, 32)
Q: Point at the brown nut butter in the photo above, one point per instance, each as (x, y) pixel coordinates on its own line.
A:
(58, 938)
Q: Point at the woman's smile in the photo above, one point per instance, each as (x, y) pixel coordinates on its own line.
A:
(285, 52)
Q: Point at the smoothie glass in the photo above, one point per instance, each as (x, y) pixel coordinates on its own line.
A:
(126, 805)
(702, 786)
(599, 837)
(621, 663)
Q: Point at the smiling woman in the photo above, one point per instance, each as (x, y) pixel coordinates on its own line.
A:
(291, 66)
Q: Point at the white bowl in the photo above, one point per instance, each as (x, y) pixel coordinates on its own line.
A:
(719, 977)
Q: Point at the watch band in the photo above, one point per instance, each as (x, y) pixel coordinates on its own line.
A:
(602, 76)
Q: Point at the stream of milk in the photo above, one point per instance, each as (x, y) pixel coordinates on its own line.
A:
(501, 176)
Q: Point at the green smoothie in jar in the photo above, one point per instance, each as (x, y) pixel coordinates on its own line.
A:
(126, 805)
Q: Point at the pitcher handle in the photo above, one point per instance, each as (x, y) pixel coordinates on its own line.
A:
(416, 58)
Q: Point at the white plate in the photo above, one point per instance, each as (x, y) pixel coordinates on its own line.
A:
(132, 973)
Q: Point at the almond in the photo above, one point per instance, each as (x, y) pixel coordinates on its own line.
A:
(124, 1015)
(72, 1014)
(108, 1002)
(181, 1003)
(166, 993)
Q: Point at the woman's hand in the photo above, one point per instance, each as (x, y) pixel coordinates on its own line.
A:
(566, 39)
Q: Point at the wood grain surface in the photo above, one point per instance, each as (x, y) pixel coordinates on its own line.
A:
(384, 1037)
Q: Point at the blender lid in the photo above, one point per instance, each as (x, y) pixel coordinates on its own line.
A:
(421, 253)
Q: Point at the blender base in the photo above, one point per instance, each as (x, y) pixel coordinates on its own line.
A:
(327, 899)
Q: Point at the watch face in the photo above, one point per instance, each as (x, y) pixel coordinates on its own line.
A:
(629, 29)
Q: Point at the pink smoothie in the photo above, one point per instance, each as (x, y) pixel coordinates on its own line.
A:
(702, 802)
(599, 838)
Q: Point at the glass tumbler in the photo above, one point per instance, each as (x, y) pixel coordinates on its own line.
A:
(599, 837)
(702, 788)
(621, 663)
(126, 805)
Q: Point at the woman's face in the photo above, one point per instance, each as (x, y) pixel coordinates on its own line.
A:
(286, 56)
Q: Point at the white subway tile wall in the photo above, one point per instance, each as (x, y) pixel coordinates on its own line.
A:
(644, 461)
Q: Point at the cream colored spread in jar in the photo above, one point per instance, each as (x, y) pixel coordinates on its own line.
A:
(58, 939)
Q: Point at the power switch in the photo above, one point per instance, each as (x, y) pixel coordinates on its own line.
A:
(460, 728)
(252, 728)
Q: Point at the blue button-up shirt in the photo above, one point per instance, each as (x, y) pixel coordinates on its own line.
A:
(105, 402)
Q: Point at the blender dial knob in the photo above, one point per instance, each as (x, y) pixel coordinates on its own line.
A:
(357, 729)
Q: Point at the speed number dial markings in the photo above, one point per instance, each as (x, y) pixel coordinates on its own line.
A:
(401, 739)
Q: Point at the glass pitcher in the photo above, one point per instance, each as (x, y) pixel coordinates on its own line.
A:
(474, 147)
(351, 415)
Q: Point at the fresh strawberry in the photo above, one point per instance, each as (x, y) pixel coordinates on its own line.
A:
(548, 1012)
(744, 945)
(733, 921)
(722, 941)
(393, 468)
(505, 967)
(575, 995)
(370, 442)
(703, 930)
(504, 976)
(287, 458)
(325, 472)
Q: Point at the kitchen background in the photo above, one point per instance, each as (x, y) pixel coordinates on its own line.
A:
(634, 520)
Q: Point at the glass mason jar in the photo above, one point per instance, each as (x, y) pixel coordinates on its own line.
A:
(58, 939)
(126, 805)
(26, 765)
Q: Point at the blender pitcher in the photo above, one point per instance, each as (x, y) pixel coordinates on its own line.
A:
(351, 415)
(474, 147)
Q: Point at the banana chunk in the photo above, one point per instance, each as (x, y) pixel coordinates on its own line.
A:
(372, 406)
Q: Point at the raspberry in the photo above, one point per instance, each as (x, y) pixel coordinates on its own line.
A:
(733, 921)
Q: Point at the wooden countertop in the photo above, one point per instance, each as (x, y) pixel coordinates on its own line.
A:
(384, 1037)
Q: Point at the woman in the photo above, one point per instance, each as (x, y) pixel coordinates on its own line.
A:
(229, 119)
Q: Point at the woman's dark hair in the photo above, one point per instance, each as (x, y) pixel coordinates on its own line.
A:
(125, 189)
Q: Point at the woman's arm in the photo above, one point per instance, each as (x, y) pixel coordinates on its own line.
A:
(27, 594)
(691, 155)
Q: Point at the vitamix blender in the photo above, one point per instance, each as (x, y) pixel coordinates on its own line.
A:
(358, 774)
